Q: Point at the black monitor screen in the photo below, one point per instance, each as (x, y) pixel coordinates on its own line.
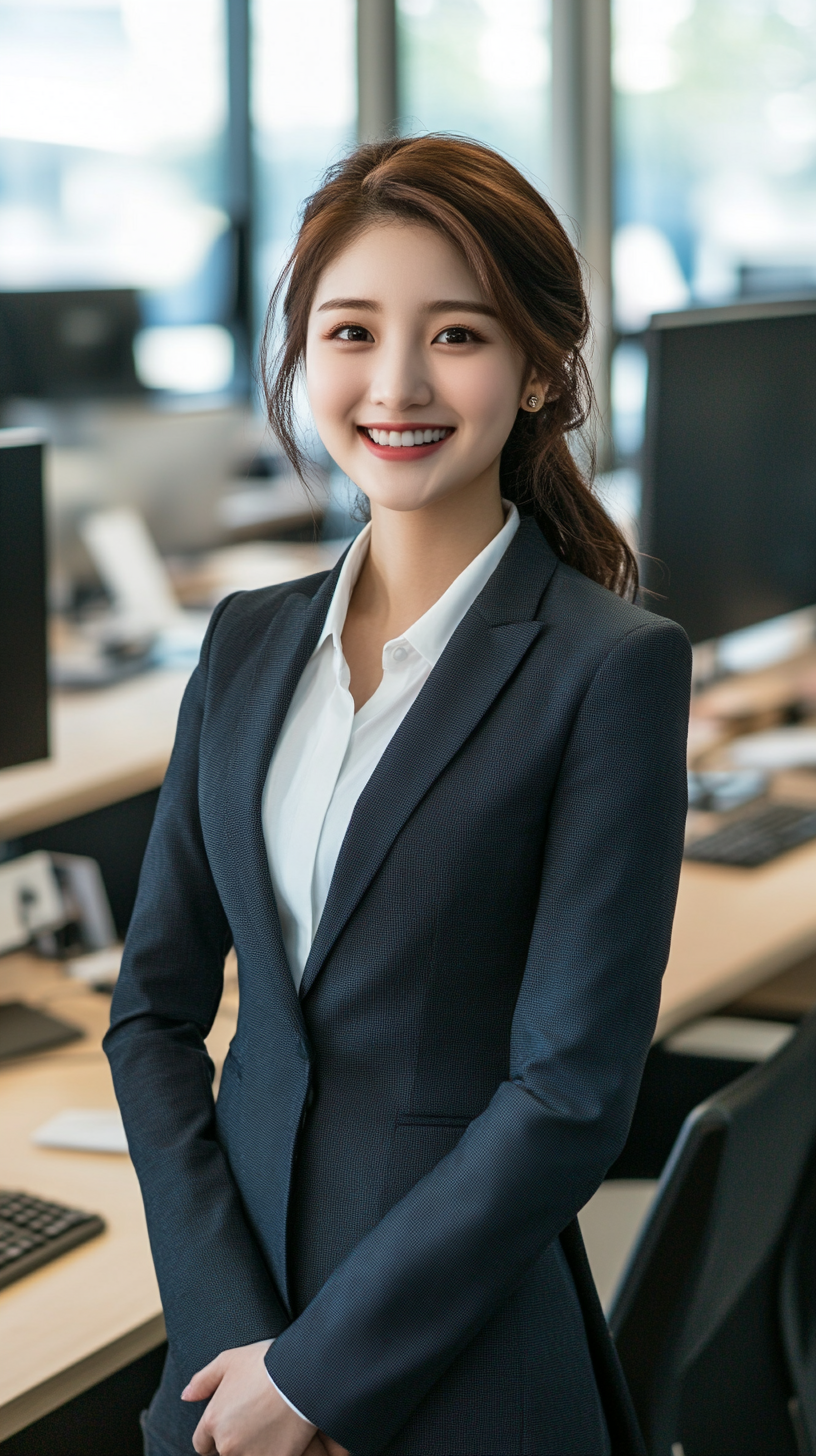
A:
(729, 509)
(68, 343)
(23, 679)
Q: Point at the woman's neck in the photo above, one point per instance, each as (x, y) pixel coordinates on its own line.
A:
(414, 556)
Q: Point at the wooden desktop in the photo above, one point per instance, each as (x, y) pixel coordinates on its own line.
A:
(735, 929)
(106, 745)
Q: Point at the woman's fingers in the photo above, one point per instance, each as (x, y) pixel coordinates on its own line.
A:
(205, 1382)
(203, 1385)
(246, 1415)
(203, 1442)
(332, 1448)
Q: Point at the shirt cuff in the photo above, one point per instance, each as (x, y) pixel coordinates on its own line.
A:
(288, 1401)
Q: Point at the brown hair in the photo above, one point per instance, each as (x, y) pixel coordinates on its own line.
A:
(528, 270)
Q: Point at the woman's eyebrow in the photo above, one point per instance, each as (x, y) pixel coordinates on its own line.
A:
(467, 305)
(441, 305)
(350, 303)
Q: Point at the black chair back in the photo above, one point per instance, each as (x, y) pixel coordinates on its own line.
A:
(696, 1319)
(797, 1308)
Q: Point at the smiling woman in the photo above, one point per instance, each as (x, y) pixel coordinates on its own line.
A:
(515, 277)
(436, 799)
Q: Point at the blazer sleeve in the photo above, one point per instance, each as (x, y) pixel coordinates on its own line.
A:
(216, 1289)
(422, 1282)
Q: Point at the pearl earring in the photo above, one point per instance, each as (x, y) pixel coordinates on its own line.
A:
(533, 401)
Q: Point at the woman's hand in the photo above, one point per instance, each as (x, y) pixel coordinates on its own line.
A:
(332, 1447)
(246, 1416)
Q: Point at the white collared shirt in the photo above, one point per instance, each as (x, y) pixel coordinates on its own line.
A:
(326, 753)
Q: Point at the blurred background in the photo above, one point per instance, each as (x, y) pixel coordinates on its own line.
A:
(154, 155)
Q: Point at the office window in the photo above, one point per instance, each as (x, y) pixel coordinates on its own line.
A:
(112, 158)
(715, 166)
(482, 68)
(304, 114)
(715, 151)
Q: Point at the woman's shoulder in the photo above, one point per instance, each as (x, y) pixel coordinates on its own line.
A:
(606, 654)
(264, 602)
(594, 634)
(598, 615)
(242, 619)
(585, 618)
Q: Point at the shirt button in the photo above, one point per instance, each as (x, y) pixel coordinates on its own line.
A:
(400, 654)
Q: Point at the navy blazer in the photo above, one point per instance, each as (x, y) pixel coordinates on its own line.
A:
(394, 1151)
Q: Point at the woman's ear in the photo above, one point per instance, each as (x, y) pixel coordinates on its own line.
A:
(534, 395)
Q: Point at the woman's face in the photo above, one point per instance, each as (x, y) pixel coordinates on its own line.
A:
(413, 383)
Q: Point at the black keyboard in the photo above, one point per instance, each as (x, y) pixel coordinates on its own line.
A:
(32, 1232)
(758, 837)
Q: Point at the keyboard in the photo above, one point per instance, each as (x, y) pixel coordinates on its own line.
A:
(32, 1232)
(758, 837)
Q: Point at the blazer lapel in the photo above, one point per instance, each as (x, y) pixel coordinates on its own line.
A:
(484, 651)
(282, 655)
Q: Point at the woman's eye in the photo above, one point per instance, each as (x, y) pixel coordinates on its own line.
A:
(353, 334)
(456, 335)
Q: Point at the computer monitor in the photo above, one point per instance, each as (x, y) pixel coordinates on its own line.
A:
(23, 666)
(729, 499)
(68, 343)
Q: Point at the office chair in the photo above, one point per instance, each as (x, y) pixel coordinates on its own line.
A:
(698, 1317)
(797, 1308)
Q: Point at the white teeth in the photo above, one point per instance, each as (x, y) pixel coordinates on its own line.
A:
(399, 438)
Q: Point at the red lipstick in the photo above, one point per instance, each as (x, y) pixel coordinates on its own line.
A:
(403, 452)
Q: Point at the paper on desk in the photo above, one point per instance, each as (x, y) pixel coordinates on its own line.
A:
(97, 968)
(777, 749)
(85, 1130)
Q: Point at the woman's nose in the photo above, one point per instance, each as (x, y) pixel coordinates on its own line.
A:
(399, 380)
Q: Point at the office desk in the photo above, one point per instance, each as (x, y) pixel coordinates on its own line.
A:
(734, 929)
(94, 1310)
(106, 745)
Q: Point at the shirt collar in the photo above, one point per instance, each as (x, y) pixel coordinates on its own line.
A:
(431, 633)
(346, 582)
